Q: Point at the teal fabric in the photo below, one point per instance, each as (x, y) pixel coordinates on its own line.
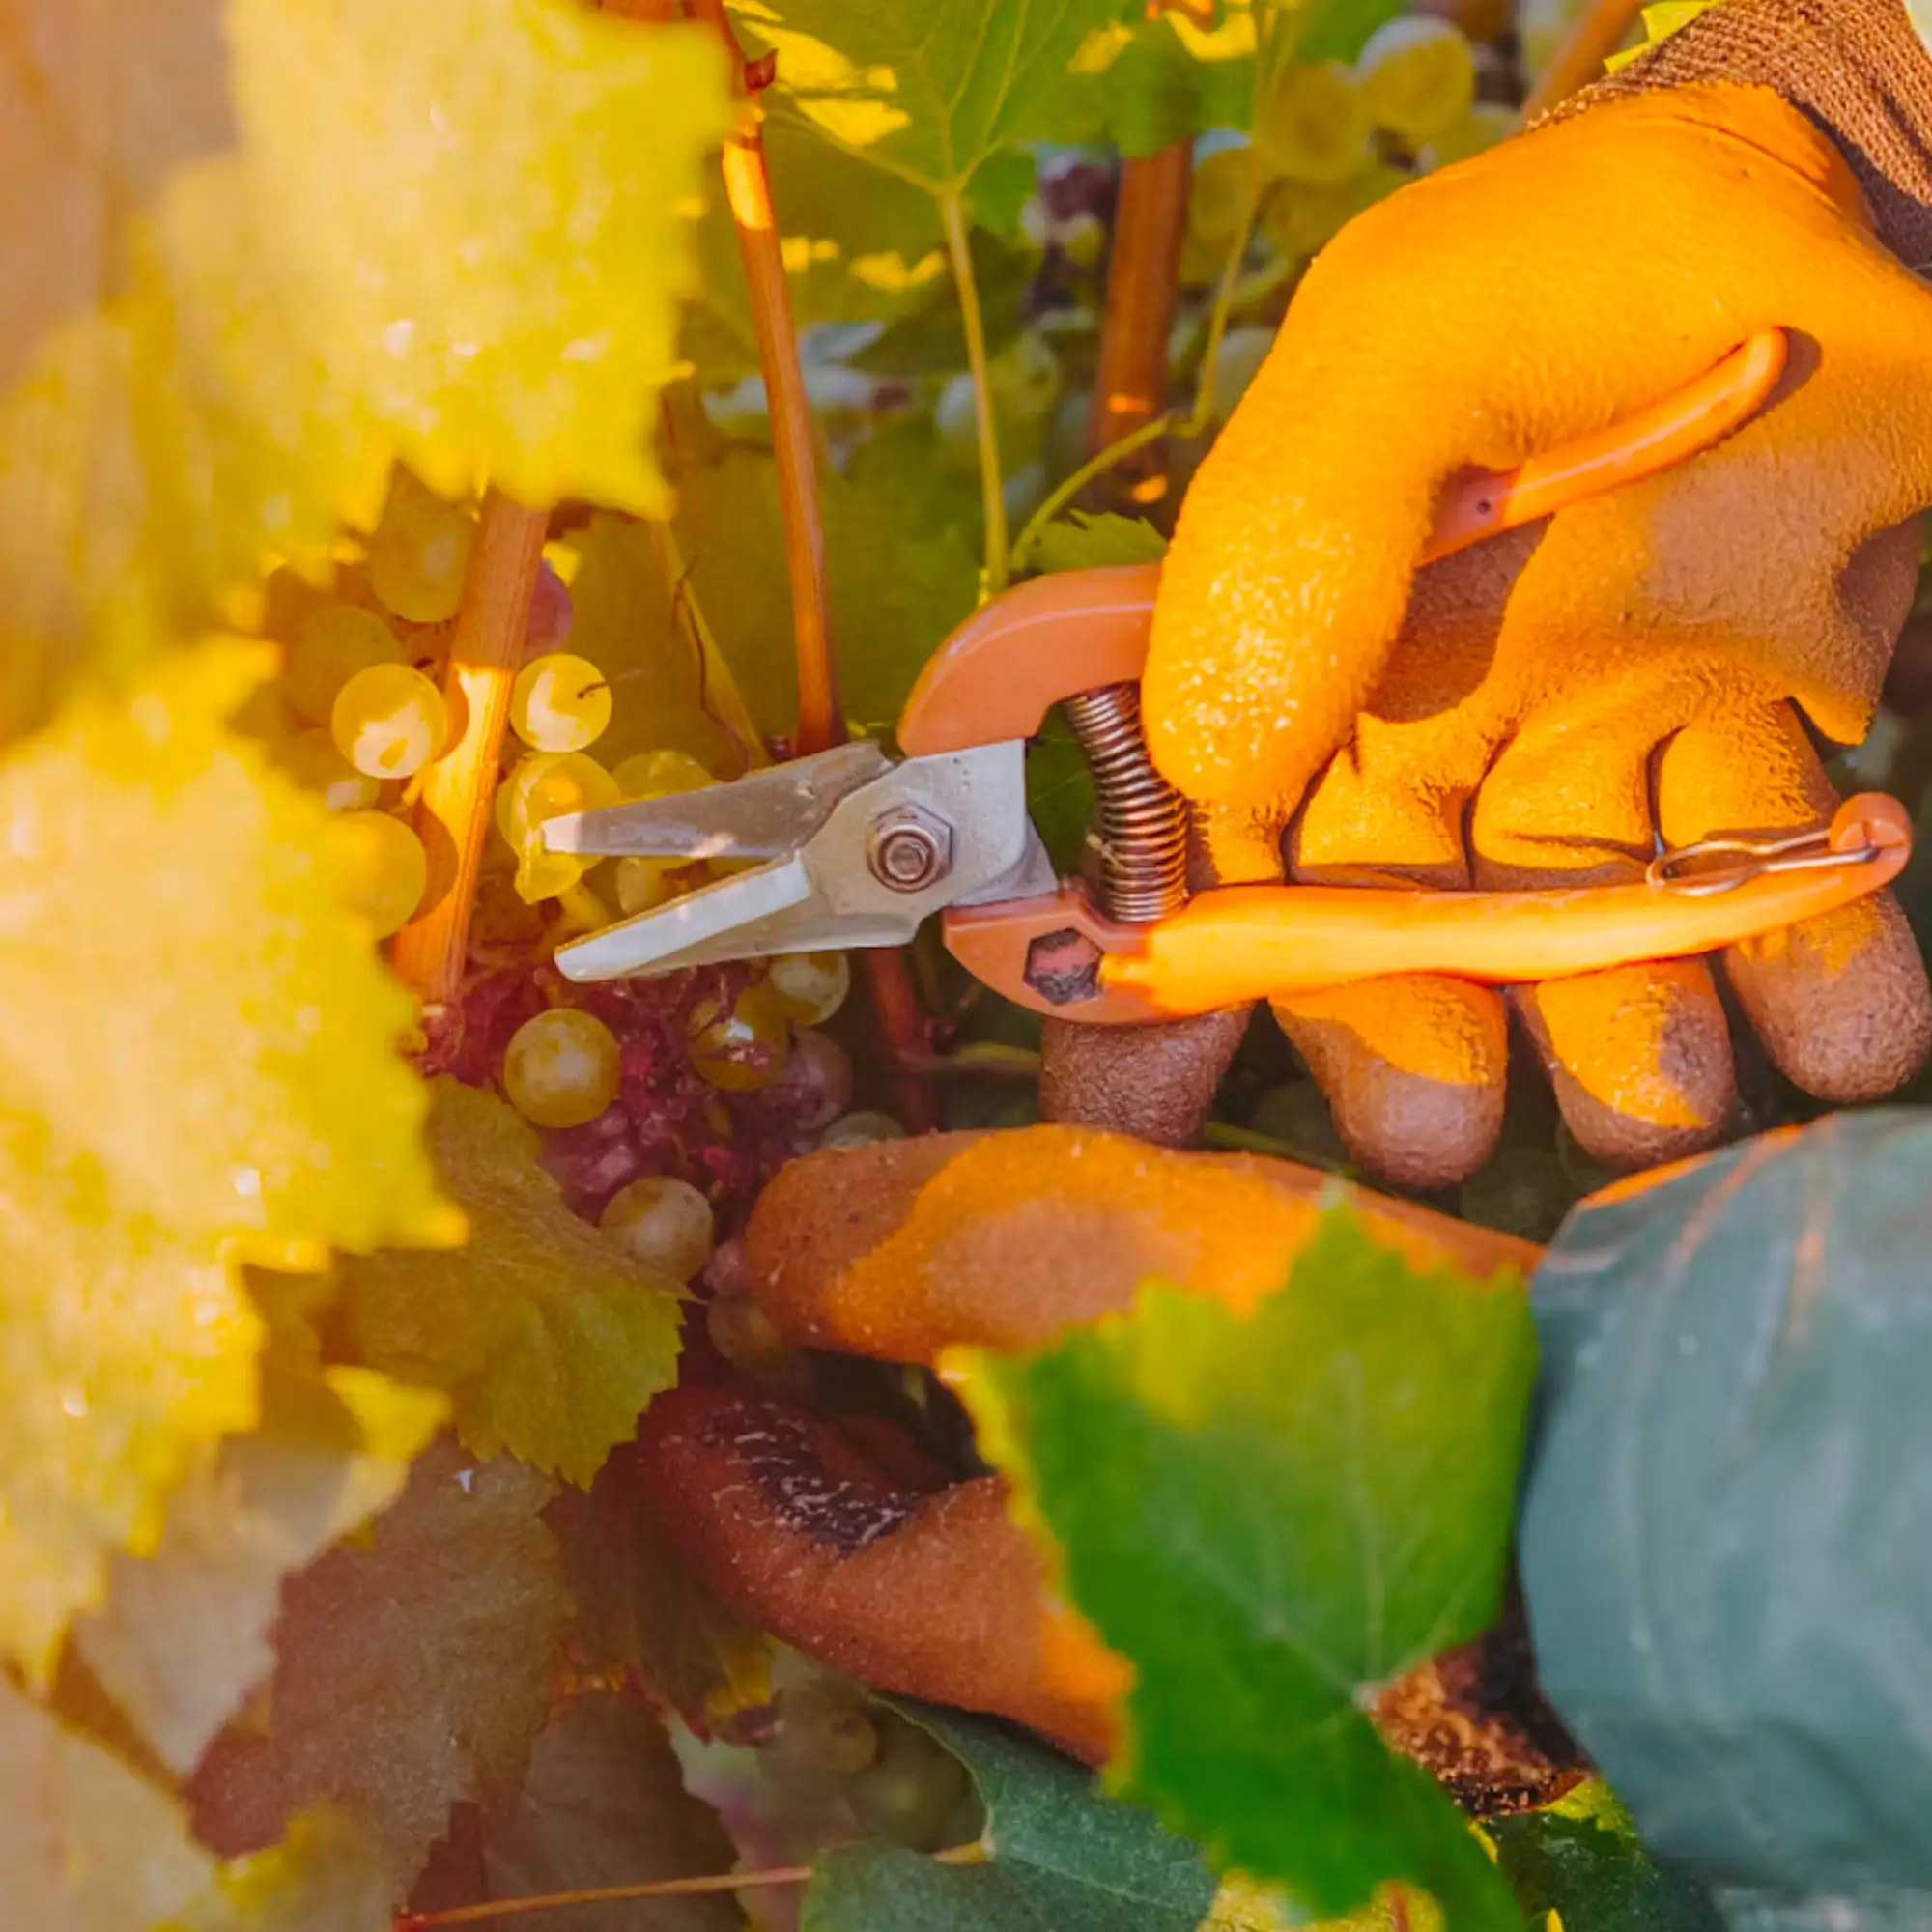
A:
(1726, 1540)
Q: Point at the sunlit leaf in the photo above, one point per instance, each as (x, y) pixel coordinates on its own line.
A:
(184, 1636)
(927, 89)
(1580, 1859)
(325, 1876)
(86, 1845)
(197, 1066)
(237, 314)
(1291, 1508)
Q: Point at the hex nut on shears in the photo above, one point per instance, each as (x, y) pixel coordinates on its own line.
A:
(908, 850)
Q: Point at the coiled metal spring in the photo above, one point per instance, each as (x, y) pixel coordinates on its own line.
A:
(1140, 822)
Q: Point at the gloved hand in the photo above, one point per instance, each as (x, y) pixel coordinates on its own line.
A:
(1540, 709)
(903, 1249)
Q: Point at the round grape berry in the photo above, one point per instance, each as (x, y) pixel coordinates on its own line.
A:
(742, 1046)
(663, 1224)
(420, 552)
(333, 645)
(861, 1129)
(560, 1068)
(1418, 77)
(543, 786)
(661, 773)
(913, 1791)
(559, 703)
(386, 869)
(1316, 125)
(742, 1333)
(388, 721)
(813, 985)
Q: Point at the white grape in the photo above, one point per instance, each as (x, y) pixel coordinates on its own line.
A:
(559, 702)
(386, 869)
(420, 553)
(546, 785)
(1316, 126)
(861, 1129)
(333, 645)
(813, 985)
(663, 1224)
(1418, 77)
(561, 1068)
(388, 721)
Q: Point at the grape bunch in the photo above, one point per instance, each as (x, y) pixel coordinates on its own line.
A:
(1333, 137)
(358, 712)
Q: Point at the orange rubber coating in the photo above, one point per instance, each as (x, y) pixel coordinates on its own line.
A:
(1001, 671)
(1259, 941)
(1243, 943)
(1690, 420)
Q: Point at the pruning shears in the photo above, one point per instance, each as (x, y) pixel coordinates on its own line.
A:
(855, 848)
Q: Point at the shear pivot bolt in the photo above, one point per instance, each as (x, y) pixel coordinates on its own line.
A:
(910, 850)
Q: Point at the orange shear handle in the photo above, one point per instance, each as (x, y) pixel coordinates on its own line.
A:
(1058, 954)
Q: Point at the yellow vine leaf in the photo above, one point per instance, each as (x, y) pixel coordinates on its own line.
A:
(548, 1337)
(87, 1844)
(197, 1069)
(327, 1872)
(232, 318)
(184, 1636)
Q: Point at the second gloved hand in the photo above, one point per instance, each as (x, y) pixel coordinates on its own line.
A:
(1543, 709)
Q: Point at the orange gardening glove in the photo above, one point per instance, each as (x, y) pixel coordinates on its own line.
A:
(1542, 709)
(903, 1249)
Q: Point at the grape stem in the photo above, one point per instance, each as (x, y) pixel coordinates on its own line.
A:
(1143, 283)
(662, 1888)
(992, 488)
(821, 723)
(431, 953)
(556, 1901)
(1197, 420)
(1597, 35)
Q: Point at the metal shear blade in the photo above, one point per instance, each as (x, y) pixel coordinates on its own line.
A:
(858, 850)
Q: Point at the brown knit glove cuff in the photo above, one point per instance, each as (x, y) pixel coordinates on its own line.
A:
(1858, 68)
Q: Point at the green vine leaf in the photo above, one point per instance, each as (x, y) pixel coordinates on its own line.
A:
(1293, 1508)
(930, 91)
(1581, 1859)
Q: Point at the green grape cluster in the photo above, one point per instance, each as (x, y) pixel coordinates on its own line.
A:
(1333, 138)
